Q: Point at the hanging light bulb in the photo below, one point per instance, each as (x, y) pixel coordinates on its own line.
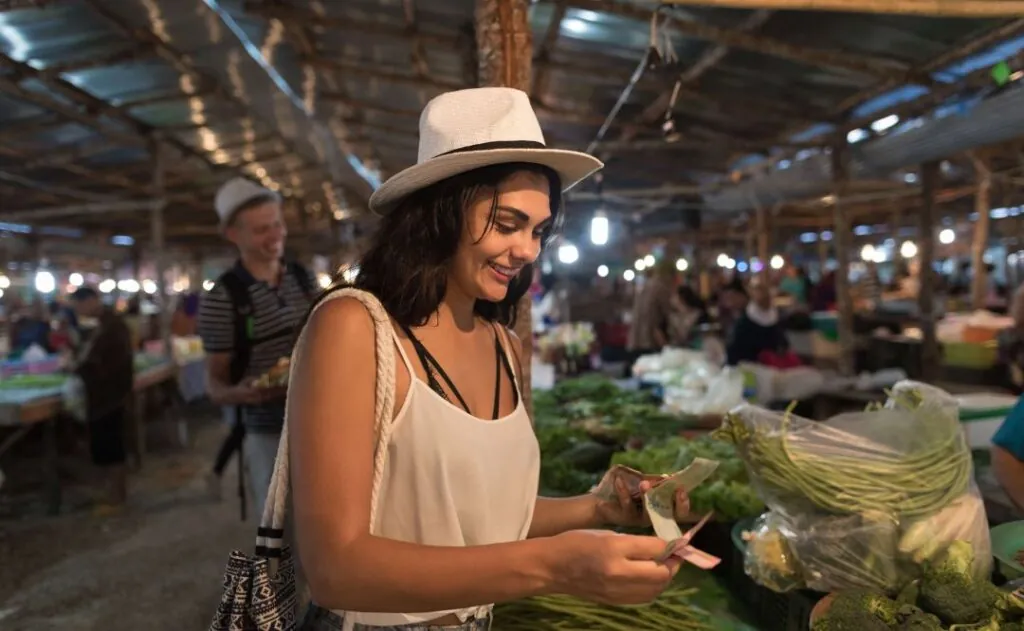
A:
(908, 250)
(568, 254)
(599, 229)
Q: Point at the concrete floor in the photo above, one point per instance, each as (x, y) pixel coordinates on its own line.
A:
(157, 566)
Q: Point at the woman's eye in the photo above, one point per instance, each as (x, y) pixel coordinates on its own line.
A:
(506, 229)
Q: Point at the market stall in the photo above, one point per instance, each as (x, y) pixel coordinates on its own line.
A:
(801, 509)
(35, 397)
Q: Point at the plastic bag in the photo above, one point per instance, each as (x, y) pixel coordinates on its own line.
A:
(851, 496)
(704, 391)
(73, 398)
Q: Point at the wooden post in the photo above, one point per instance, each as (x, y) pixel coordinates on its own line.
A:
(763, 245)
(842, 238)
(157, 234)
(822, 255)
(504, 58)
(931, 358)
(983, 206)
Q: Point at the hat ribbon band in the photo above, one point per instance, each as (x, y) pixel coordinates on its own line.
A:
(497, 144)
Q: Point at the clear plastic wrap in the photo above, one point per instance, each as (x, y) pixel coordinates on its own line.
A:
(864, 499)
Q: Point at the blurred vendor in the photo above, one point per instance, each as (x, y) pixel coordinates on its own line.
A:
(1008, 455)
(758, 335)
(649, 329)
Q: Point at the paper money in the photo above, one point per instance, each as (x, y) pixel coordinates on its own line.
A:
(660, 501)
(605, 489)
(701, 559)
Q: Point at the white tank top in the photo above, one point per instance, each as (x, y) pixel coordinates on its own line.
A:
(452, 479)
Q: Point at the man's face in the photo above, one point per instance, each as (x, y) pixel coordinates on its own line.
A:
(259, 232)
(87, 307)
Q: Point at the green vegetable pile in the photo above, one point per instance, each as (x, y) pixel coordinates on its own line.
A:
(947, 597)
(581, 422)
(672, 611)
(584, 424)
(727, 492)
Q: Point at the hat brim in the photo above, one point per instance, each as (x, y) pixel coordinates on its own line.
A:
(572, 167)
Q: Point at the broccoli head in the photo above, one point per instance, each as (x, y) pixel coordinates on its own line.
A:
(950, 591)
(918, 620)
(858, 610)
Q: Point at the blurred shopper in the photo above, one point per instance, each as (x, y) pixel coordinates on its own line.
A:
(106, 363)
(247, 323)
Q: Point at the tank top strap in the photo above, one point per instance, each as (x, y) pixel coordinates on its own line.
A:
(507, 358)
(402, 354)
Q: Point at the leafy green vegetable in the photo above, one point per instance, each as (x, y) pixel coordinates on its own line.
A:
(727, 492)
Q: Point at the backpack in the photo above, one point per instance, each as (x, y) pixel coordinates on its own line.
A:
(244, 322)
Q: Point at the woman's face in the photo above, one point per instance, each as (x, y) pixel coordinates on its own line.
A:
(490, 257)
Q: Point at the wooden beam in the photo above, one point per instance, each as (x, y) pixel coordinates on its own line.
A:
(842, 239)
(504, 46)
(634, 193)
(931, 356)
(30, 215)
(927, 8)
(689, 76)
(965, 49)
(380, 28)
(74, 153)
(982, 206)
(158, 234)
(734, 38)
(419, 53)
(134, 52)
(382, 73)
(543, 55)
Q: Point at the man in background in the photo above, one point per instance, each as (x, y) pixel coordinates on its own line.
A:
(106, 366)
(652, 307)
(247, 323)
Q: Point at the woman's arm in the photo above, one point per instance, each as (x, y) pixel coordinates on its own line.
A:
(331, 426)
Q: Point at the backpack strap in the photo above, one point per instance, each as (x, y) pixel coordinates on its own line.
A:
(302, 277)
(238, 293)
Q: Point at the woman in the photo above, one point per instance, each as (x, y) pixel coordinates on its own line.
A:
(458, 522)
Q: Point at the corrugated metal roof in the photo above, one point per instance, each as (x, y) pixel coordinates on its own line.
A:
(352, 89)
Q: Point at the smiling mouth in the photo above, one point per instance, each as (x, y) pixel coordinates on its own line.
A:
(508, 272)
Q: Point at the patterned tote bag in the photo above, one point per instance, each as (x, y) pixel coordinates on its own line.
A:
(259, 589)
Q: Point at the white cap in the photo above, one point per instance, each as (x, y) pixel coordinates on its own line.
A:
(236, 192)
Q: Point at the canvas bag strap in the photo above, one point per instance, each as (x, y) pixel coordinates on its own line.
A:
(271, 531)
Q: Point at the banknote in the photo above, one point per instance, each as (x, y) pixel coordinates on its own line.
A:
(605, 490)
(660, 501)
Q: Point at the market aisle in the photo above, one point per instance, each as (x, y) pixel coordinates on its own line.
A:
(156, 567)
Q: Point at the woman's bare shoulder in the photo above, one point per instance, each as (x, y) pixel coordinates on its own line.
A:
(342, 321)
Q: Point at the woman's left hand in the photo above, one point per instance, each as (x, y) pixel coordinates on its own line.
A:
(626, 509)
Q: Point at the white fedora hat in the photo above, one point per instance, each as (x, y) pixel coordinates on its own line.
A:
(467, 129)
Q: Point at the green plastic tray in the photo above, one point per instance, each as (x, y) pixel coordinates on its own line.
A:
(1007, 541)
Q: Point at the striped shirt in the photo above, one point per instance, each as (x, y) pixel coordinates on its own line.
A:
(277, 313)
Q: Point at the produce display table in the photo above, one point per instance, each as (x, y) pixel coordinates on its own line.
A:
(23, 408)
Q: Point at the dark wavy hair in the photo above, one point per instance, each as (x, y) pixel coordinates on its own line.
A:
(406, 265)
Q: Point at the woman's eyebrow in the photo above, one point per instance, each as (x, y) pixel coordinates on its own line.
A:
(519, 214)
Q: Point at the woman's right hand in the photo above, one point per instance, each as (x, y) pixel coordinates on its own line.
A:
(610, 568)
